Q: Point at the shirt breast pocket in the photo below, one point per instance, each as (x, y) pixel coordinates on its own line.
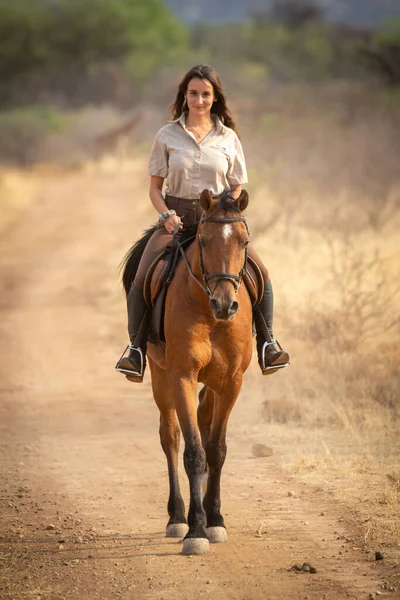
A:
(220, 152)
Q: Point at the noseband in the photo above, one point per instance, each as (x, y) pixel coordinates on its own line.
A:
(217, 277)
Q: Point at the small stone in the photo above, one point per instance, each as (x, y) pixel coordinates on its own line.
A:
(378, 556)
(61, 540)
(291, 494)
(261, 450)
(322, 513)
(50, 527)
(208, 581)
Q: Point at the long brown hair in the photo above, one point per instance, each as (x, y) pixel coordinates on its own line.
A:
(219, 106)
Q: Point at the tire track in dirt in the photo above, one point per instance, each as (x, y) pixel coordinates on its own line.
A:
(79, 446)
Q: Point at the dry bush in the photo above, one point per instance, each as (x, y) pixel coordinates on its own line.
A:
(326, 149)
(365, 293)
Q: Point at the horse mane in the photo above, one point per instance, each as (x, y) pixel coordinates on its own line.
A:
(130, 262)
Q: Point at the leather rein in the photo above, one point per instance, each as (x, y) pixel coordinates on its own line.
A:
(217, 277)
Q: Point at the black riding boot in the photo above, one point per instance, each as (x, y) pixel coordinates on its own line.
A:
(270, 358)
(134, 364)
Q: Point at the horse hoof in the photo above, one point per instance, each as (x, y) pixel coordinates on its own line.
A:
(177, 530)
(216, 535)
(195, 546)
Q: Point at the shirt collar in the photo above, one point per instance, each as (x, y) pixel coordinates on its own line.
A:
(219, 126)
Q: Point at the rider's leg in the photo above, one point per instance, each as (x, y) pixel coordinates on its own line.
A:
(138, 311)
(269, 354)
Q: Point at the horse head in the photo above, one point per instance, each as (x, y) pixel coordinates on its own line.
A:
(222, 239)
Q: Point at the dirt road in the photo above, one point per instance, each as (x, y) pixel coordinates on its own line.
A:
(84, 482)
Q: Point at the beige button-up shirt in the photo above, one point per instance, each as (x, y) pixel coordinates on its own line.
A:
(189, 167)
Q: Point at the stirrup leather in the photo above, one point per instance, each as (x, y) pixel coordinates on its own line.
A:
(272, 367)
(131, 371)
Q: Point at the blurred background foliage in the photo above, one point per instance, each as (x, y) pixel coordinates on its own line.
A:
(58, 56)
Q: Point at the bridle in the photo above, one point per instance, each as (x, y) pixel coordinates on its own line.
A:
(217, 277)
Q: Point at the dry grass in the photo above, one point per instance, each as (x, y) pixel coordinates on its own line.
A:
(17, 191)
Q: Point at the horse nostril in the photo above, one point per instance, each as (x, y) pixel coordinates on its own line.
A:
(214, 304)
(233, 308)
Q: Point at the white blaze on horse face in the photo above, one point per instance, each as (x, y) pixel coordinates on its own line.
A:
(227, 231)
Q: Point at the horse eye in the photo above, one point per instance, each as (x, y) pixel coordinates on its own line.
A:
(246, 243)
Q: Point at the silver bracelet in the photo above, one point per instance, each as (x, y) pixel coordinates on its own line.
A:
(164, 216)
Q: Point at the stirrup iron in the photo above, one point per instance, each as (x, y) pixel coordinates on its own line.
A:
(272, 367)
(121, 369)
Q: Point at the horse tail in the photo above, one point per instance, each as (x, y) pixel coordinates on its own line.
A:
(130, 262)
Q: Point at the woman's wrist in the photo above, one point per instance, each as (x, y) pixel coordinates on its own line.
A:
(165, 215)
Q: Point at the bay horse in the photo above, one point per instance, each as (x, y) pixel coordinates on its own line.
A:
(208, 333)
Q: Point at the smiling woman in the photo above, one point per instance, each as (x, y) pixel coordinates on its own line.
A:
(198, 150)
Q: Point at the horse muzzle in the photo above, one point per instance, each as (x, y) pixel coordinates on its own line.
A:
(223, 310)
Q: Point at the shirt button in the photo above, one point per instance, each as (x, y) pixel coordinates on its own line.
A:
(193, 203)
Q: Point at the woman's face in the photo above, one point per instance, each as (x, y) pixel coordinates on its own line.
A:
(200, 96)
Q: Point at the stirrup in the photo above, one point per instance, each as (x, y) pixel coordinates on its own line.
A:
(272, 367)
(122, 368)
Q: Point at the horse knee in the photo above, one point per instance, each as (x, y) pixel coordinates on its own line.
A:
(216, 453)
(194, 459)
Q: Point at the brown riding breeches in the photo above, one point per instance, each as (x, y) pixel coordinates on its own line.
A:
(190, 212)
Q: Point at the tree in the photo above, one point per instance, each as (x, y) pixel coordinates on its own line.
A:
(295, 13)
(63, 42)
(23, 35)
(382, 53)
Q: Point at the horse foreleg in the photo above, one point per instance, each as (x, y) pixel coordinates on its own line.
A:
(194, 459)
(216, 450)
(204, 418)
(205, 413)
(170, 439)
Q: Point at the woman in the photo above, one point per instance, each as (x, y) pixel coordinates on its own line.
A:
(199, 149)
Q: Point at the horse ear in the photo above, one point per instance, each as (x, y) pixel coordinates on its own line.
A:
(206, 200)
(243, 200)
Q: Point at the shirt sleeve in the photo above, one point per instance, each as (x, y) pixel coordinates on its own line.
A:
(158, 162)
(237, 172)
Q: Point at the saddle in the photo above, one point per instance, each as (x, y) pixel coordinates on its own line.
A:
(161, 273)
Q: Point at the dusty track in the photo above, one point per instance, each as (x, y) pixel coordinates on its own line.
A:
(79, 445)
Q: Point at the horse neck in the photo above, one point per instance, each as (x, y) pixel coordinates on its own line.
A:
(194, 290)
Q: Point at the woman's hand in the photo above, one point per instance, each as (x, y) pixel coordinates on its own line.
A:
(172, 222)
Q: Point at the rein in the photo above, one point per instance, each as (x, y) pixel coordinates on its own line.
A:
(217, 277)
